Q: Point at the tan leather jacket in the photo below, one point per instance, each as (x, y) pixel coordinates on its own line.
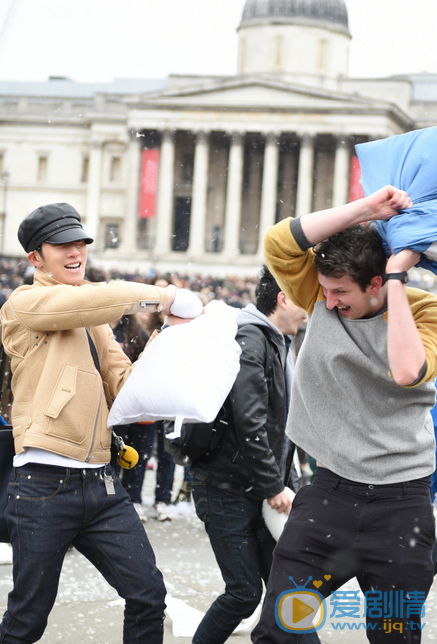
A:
(60, 400)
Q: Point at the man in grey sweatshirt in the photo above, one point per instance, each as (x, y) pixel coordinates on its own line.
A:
(361, 398)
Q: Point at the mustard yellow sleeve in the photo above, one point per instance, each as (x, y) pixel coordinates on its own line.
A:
(424, 309)
(293, 267)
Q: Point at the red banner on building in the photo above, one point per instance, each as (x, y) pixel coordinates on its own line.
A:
(356, 189)
(149, 183)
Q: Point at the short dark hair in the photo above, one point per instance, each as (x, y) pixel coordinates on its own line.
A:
(266, 292)
(356, 251)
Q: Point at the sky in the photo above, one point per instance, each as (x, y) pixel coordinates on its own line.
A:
(99, 40)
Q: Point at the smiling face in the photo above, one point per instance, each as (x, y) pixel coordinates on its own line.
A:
(351, 302)
(65, 262)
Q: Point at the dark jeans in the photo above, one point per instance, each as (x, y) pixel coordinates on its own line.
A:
(243, 548)
(381, 534)
(141, 437)
(50, 508)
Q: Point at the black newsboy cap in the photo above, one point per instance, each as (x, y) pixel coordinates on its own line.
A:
(56, 223)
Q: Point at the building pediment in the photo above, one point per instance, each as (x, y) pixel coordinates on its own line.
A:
(253, 92)
(259, 93)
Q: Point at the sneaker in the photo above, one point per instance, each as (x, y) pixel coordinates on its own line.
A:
(141, 512)
(162, 512)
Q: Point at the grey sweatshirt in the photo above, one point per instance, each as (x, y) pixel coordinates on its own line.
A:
(348, 413)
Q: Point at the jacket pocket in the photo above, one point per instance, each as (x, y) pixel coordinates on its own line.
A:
(19, 424)
(73, 406)
(63, 392)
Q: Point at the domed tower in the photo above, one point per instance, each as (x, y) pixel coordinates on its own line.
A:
(309, 37)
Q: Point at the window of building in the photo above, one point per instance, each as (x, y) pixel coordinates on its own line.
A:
(279, 52)
(42, 168)
(112, 238)
(145, 238)
(115, 172)
(217, 240)
(181, 224)
(243, 55)
(85, 169)
(323, 56)
(187, 167)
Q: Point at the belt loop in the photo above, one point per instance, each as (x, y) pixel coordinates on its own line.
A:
(404, 488)
(67, 477)
(336, 484)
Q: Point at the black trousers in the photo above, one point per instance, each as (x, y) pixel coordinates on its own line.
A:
(381, 534)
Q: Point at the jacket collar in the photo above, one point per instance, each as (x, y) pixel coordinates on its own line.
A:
(251, 315)
(40, 278)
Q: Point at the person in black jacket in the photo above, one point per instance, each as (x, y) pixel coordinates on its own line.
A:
(231, 481)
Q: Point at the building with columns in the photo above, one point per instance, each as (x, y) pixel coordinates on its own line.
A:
(186, 174)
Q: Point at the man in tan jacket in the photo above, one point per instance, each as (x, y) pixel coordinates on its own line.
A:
(63, 490)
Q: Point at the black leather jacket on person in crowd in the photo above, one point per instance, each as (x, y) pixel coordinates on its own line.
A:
(247, 460)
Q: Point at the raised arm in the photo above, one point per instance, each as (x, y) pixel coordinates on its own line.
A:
(62, 307)
(406, 352)
(383, 204)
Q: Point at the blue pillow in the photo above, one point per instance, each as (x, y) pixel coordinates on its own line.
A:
(408, 162)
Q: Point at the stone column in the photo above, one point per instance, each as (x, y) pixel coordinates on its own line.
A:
(234, 196)
(341, 173)
(93, 196)
(130, 224)
(196, 244)
(164, 216)
(305, 179)
(269, 193)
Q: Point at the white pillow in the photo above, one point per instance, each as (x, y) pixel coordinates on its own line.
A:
(273, 520)
(185, 374)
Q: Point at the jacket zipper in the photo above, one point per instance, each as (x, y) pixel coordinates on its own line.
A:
(278, 351)
(88, 458)
(280, 360)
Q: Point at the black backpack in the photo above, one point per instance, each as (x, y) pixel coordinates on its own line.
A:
(196, 439)
(200, 439)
